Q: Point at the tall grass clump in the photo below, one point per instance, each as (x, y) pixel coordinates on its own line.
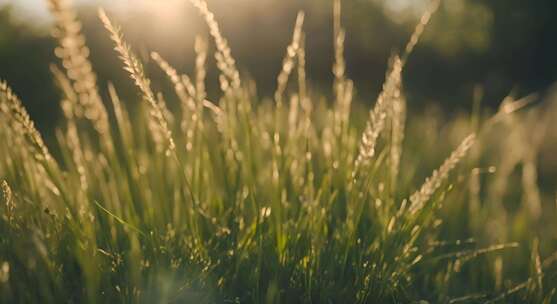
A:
(242, 200)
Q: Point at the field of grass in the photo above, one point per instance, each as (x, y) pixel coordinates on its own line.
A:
(289, 199)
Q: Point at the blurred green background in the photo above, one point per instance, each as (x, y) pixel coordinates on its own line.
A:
(502, 46)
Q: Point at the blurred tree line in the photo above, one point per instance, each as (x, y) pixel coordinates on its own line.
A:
(499, 45)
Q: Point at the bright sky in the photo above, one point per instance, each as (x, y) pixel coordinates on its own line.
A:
(38, 8)
(28, 7)
(165, 10)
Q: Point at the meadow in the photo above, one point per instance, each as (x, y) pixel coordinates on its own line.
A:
(294, 198)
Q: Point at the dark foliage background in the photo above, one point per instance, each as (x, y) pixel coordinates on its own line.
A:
(501, 46)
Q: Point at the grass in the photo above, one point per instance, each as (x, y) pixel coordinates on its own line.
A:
(285, 200)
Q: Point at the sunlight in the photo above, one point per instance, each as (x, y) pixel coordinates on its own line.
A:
(400, 10)
(165, 14)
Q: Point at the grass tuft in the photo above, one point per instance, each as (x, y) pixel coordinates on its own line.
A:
(287, 200)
